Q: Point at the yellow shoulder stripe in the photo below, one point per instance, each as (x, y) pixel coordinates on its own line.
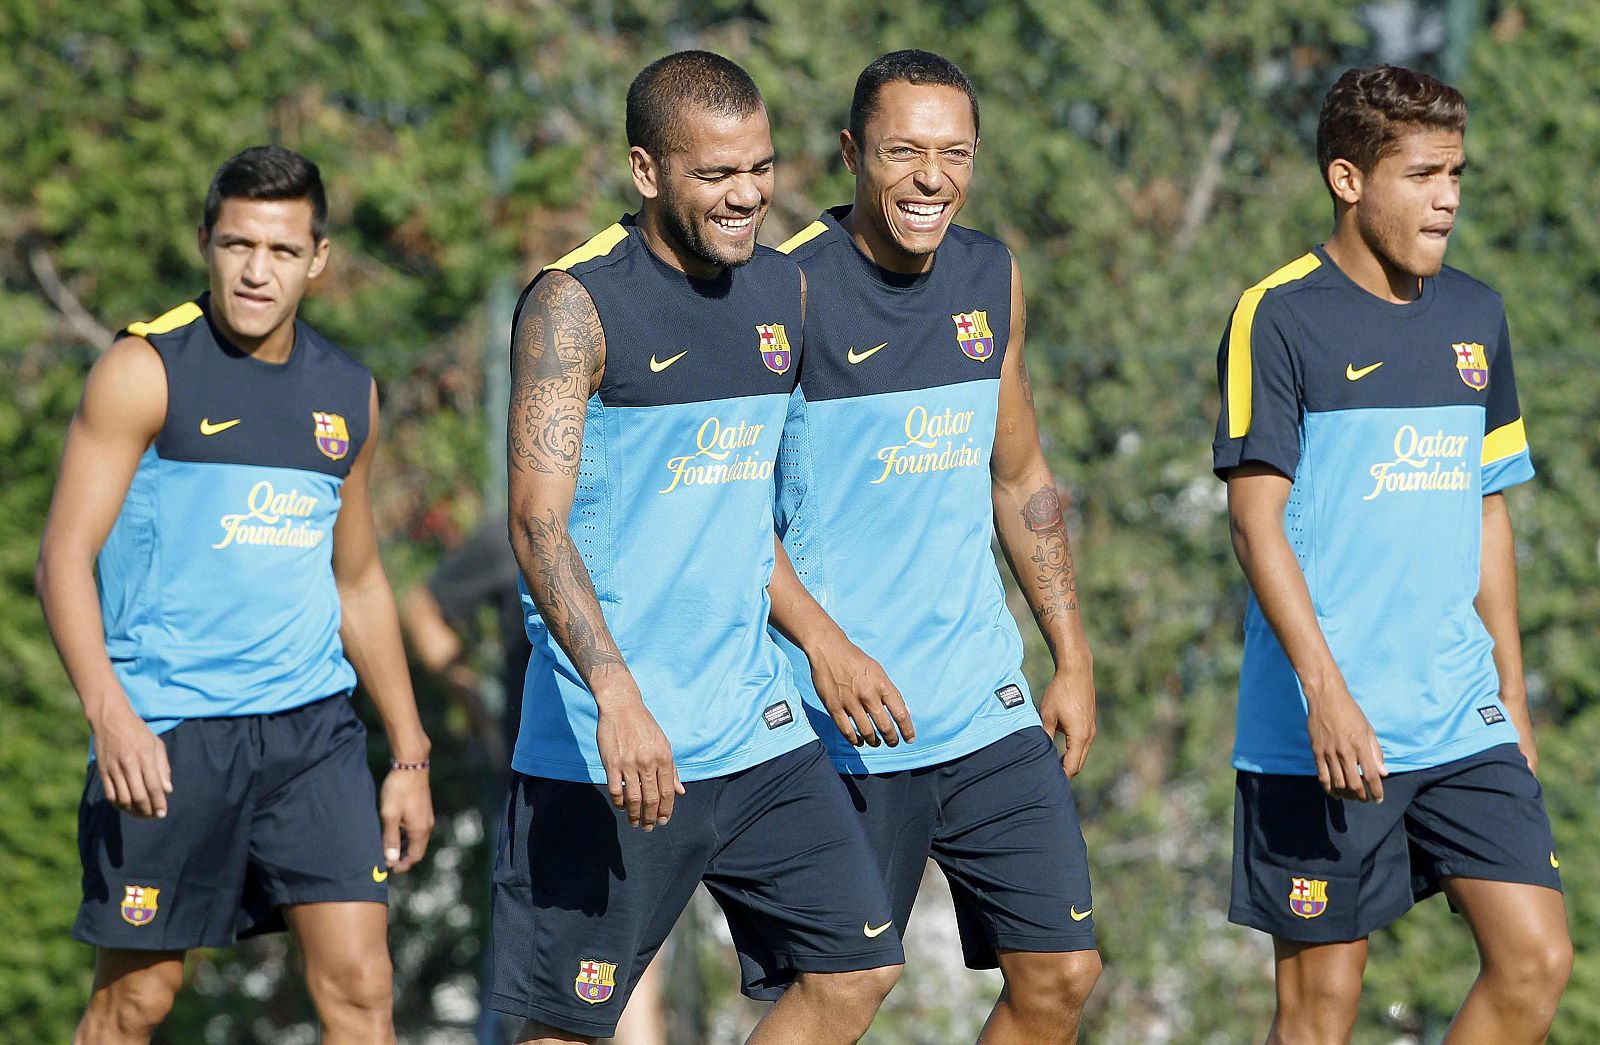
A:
(1505, 441)
(804, 236)
(596, 247)
(1240, 367)
(181, 316)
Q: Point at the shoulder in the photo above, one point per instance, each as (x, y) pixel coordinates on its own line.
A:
(169, 322)
(809, 242)
(963, 240)
(773, 262)
(1458, 286)
(604, 248)
(332, 358)
(1275, 292)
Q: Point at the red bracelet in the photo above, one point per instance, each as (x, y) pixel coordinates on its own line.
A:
(396, 764)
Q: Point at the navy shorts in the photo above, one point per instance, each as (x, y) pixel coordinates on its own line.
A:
(1315, 869)
(582, 900)
(1002, 825)
(265, 810)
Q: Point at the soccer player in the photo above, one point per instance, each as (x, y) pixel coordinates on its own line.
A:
(662, 742)
(217, 473)
(911, 444)
(1369, 430)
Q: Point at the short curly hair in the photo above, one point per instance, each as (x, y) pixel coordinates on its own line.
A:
(1368, 110)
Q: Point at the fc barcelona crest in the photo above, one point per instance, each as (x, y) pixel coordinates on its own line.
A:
(774, 344)
(973, 334)
(1471, 364)
(596, 981)
(139, 904)
(1308, 897)
(333, 438)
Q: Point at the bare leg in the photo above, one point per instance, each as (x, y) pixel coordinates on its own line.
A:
(643, 1021)
(1526, 957)
(1319, 987)
(535, 1033)
(826, 1008)
(1043, 998)
(133, 992)
(348, 973)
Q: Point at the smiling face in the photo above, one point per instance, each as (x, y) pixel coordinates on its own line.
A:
(912, 169)
(261, 254)
(706, 198)
(1405, 208)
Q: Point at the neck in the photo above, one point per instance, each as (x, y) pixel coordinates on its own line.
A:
(664, 246)
(880, 249)
(1368, 269)
(275, 347)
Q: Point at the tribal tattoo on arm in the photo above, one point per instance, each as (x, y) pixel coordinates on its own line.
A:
(1056, 586)
(561, 588)
(555, 355)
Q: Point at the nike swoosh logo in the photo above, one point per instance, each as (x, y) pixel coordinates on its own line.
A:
(658, 365)
(379, 876)
(1553, 861)
(207, 428)
(1080, 917)
(862, 357)
(1352, 374)
(872, 933)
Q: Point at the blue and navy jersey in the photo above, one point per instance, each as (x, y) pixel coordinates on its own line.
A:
(1394, 421)
(673, 512)
(885, 500)
(216, 581)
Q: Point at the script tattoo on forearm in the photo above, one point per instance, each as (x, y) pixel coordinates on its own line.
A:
(1056, 585)
(554, 356)
(560, 585)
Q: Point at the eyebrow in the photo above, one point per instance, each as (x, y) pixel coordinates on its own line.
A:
(717, 170)
(229, 238)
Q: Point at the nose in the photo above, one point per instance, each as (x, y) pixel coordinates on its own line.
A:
(745, 193)
(929, 175)
(257, 269)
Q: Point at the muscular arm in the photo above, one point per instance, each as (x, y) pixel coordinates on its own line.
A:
(557, 358)
(1033, 535)
(124, 405)
(369, 629)
(1497, 608)
(1349, 760)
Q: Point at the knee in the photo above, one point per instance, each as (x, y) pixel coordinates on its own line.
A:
(354, 984)
(1053, 987)
(1537, 974)
(853, 997)
(133, 1005)
(1313, 1010)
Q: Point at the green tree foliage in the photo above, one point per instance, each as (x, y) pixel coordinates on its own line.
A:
(1146, 164)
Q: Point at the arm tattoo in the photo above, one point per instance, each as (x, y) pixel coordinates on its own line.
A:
(560, 585)
(555, 354)
(1056, 584)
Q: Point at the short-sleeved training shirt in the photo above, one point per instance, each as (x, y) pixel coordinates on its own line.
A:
(1394, 421)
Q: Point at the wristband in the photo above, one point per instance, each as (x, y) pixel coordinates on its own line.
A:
(397, 764)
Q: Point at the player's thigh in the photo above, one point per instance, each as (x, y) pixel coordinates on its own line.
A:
(172, 883)
(1011, 845)
(1519, 928)
(346, 948)
(583, 900)
(1312, 869)
(795, 876)
(898, 812)
(1482, 817)
(315, 835)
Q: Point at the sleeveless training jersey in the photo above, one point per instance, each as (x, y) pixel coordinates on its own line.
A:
(884, 494)
(1395, 421)
(673, 512)
(216, 581)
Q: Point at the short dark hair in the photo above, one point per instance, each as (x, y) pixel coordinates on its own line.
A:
(1368, 110)
(908, 66)
(269, 172)
(664, 89)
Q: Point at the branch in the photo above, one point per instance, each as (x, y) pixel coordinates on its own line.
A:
(1204, 192)
(79, 320)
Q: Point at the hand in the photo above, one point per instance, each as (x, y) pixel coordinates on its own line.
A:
(1530, 752)
(405, 807)
(637, 756)
(1068, 707)
(1516, 705)
(1349, 760)
(132, 761)
(857, 692)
